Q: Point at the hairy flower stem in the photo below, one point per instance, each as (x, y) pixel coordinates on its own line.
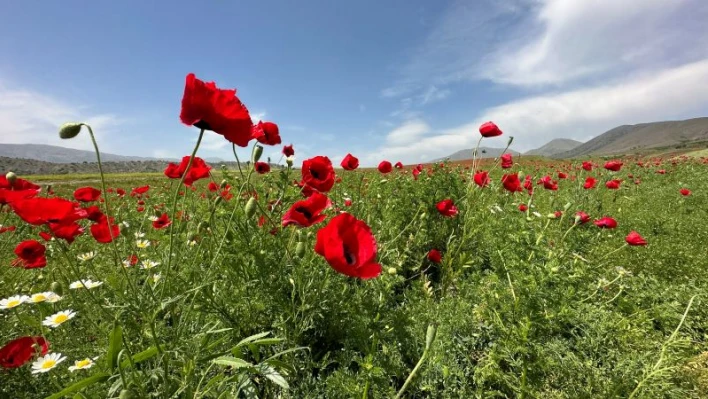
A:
(429, 339)
(174, 212)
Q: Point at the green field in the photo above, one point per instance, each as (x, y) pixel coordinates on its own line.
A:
(524, 304)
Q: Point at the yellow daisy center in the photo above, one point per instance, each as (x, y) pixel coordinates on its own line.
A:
(39, 298)
(13, 303)
(82, 363)
(49, 363)
(60, 318)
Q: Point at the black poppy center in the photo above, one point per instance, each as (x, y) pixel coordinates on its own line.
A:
(203, 125)
(306, 212)
(349, 256)
(315, 173)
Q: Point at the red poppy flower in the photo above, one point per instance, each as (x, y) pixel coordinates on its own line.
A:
(350, 162)
(398, 165)
(162, 222)
(587, 165)
(661, 171)
(349, 247)
(511, 182)
(6, 229)
(347, 202)
(144, 189)
(606, 223)
(132, 260)
(581, 217)
(434, 256)
(208, 107)
(93, 213)
(67, 231)
(38, 211)
(415, 172)
(613, 184)
(506, 161)
(87, 194)
(105, 230)
(120, 192)
(562, 175)
(45, 236)
(613, 165)
(198, 170)
(212, 186)
(523, 207)
(481, 178)
(419, 167)
(558, 214)
(589, 183)
(634, 239)
(267, 133)
(489, 129)
(685, 192)
(318, 173)
(18, 184)
(288, 150)
(307, 212)
(30, 254)
(262, 167)
(8, 196)
(446, 208)
(20, 351)
(528, 184)
(548, 183)
(140, 209)
(385, 167)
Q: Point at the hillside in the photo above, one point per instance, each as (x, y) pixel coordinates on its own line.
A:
(636, 138)
(483, 152)
(553, 147)
(56, 154)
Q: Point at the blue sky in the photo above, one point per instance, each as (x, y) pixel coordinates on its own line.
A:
(402, 80)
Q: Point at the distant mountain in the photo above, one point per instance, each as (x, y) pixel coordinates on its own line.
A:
(553, 147)
(636, 138)
(56, 154)
(482, 152)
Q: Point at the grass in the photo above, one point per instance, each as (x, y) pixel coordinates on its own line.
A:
(523, 304)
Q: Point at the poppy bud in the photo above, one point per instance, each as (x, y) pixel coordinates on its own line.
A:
(567, 206)
(392, 271)
(70, 130)
(250, 208)
(257, 152)
(551, 216)
(11, 178)
(218, 200)
(511, 140)
(57, 288)
(223, 184)
(430, 335)
(300, 250)
(289, 161)
(299, 236)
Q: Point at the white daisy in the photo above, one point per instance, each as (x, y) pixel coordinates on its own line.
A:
(153, 218)
(139, 234)
(87, 256)
(44, 297)
(191, 243)
(85, 283)
(156, 277)
(126, 224)
(538, 215)
(142, 244)
(149, 264)
(59, 318)
(47, 362)
(86, 363)
(13, 301)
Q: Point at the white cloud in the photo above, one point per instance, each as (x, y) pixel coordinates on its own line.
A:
(258, 116)
(580, 114)
(30, 117)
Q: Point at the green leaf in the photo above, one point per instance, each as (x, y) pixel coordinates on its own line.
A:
(252, 338)
(100, 377)
(267, 341)
(140, 357)
(271, 374)
(232, 362)
(115, 342)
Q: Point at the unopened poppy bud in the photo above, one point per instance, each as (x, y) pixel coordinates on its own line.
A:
(511, 140)
(430, 335)
(289, 161)
(218, 200)
(300, 249)
(299, 236)
(250, 208)
(392, 271)
(223, 184)
(567, 206)
(551, 216)
(257, 152)
(577, 219)
(11, 178)
(57, 288)
(70, 130)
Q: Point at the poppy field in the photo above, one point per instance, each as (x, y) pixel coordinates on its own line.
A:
(498, 278)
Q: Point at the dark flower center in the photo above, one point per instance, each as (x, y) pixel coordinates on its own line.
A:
(349, 256)
(203, 125)
(314, 173)
(304, 211)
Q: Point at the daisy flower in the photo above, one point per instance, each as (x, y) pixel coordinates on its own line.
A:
(126, 224)
(191, 243)
(47, 362)
(156, 277)
(13, 301)
(149, 264)
(88, 283)
(86, 363)
(48, 296)
(153, 218)
(87, 256)
(142, 244)
(59, 318)
(139, 234)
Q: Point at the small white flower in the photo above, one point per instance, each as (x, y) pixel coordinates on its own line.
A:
(87, 256)
(142, 244)
(13, 301)
(82, 364)
(44, 297)
(498, 208)
(58, 318)
(153, 218)
(148, 264)
(191, 243)
(139, 234)
(47, 362)
(126, 224)
(538, 215)
(156, 277)
(87, 283)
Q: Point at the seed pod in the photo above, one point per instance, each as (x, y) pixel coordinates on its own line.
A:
(257, 152)
(70, 130)
(250, 207)
(11, 178)
(300, 250)
(57, 288)
(223, 183)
